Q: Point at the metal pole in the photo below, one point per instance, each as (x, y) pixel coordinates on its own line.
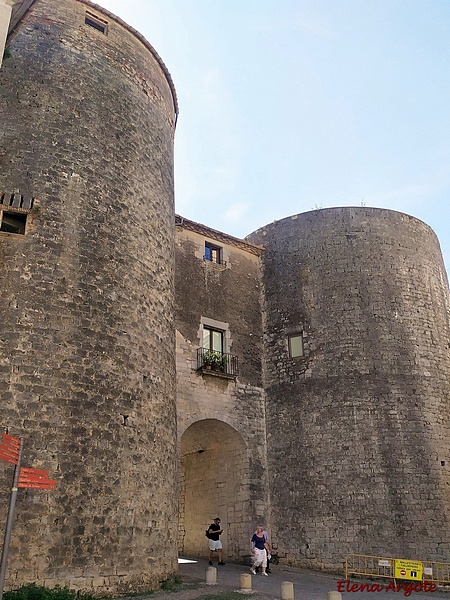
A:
(9, 522)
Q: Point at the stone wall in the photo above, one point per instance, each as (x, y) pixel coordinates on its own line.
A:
(221, 421)
(342, 449)
(358, 427)
(86, 294)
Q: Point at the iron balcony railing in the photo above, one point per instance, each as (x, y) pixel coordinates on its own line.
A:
(217, 362)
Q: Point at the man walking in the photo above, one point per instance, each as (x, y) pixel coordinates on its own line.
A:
(215, 545)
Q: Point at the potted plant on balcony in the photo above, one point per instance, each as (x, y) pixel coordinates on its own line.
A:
(213, 360)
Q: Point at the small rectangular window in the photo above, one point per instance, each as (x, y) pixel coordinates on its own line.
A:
(295, 345)
(95, 22)
(12, 222)
(213, 253)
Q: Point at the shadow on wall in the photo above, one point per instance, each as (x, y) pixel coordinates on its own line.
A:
(214, 482)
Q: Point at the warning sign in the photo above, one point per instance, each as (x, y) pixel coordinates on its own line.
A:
(408, 569)
(384, 562)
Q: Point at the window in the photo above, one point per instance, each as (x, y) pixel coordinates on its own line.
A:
(213, 253)
(213, 357)
(12, 222)
(95, 22)
(295, 343)
(212, 339)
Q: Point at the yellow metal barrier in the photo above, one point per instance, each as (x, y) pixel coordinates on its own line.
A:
(437, 572)
(371, 566)
(397, 568)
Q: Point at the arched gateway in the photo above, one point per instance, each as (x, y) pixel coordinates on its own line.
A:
(214, 482)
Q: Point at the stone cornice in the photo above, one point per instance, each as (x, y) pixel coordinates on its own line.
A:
(218, 236)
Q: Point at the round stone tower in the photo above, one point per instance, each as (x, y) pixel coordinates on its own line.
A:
(86, 297)
(358, 386)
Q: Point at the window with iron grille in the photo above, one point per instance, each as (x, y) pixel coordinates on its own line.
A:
(213, 356)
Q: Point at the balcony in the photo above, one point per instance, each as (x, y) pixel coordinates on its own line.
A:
(217, 363)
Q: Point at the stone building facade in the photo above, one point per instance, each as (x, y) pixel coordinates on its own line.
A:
(354, 307)
(221, 409)
(166, 375)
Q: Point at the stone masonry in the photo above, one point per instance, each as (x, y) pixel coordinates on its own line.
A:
(310, 361)
(87, 336)
(221, 421)
(358, 427)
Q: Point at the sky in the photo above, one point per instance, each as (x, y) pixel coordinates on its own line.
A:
(288, 106)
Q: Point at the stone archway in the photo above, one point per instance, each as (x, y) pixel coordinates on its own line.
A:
(214, 483)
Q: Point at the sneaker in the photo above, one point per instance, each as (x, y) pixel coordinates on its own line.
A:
(210, 563)
(252, 571)
(221, 563)
(265, 574)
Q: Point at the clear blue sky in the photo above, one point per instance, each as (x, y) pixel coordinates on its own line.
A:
(291, 105)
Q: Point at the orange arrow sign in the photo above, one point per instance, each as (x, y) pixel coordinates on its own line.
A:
(35, 478)
(9, 449)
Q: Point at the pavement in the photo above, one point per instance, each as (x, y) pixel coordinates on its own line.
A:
(307, 585)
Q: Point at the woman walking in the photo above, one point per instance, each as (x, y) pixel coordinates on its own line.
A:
(259, 547)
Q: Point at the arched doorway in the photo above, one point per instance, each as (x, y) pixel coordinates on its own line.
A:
(214, 483)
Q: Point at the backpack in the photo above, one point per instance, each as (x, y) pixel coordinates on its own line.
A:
(207, 534)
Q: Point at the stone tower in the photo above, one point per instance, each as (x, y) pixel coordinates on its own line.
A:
(357, 382)
(86, 295)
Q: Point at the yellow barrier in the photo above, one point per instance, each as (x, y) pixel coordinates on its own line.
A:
(371, 566)
(397, 568)
(438, 572)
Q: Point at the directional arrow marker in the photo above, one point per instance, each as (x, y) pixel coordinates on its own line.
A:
(9, 449)
(35, 478)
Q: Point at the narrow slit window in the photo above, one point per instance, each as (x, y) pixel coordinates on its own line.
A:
(295, 345)
(96, 22)
(12, 222)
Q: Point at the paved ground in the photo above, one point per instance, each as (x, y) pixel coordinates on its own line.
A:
(308, 585)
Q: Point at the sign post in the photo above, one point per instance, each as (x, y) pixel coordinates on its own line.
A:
(11, 451)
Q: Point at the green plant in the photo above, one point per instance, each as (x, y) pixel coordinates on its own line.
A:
(213, 359)
(37, 592)
(222, 596)
(172, 585)
(140, 594)
(6, 53)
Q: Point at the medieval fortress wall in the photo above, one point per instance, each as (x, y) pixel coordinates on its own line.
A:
(105, 305)
(86, 294)
(357, 427)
